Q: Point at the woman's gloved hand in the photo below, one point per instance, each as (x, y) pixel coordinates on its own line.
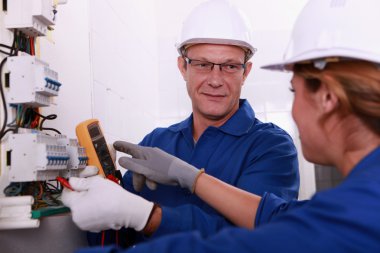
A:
(157, 165)
(99, 204)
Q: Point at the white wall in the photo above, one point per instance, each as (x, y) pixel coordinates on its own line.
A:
(108, 66)
(117, 62)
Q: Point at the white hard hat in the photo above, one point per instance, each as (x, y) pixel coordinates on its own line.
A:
(334, 28)
(216, 22)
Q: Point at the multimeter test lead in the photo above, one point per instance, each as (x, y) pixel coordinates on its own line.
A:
(64, 183)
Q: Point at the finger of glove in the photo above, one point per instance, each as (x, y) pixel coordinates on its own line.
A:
(138, 181)
(156, 174)
(135, 165)
(83, 184)
(69, 197)
(89, 171)
(151, 184)
(129, 148)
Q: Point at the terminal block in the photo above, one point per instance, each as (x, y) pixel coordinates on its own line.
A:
(32, 17)
(36, 157)
(31, 81)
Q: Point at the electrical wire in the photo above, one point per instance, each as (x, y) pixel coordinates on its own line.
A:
(44, 194)
(24, 43)
(6, 53)
(44, 118)
(7, 47)
(13, 51)
(29, 117)
(2, 130)
(14, 130)
(13, 189)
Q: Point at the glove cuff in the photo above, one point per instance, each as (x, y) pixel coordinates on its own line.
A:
(201, 171)
(146, 208)
(151, 225)
(184, 173)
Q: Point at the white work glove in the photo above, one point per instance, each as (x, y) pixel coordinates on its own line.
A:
(157, 165)
(89, 171)
(99, 204)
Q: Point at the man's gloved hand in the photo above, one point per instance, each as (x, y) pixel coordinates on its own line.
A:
(89, 171)
(99, 204)
(157, 165)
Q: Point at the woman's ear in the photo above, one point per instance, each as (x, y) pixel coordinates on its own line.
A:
(328, 100)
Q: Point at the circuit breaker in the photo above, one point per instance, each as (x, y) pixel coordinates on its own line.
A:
(32, 17)
(77, 154)
(31, 81)
(35, 157)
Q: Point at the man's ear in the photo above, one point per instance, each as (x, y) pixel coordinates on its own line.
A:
(182, 66)
(248, 68)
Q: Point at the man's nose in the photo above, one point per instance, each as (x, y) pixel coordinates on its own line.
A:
(215, 77)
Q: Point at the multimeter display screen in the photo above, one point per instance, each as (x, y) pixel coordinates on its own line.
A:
(94, 131)
(101, 149)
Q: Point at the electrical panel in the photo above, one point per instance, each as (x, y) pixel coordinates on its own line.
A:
(32, 17)
(36, 156)
(31, 81)
(32, 156)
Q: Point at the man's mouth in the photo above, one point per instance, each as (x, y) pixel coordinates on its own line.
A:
(214, 95)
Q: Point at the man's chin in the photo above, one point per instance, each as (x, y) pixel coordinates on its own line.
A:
(215, 115)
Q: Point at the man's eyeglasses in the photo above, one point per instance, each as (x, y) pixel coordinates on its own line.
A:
(206, 66)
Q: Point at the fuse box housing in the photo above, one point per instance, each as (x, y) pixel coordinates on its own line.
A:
(36, 157)
(32, 17)
(31, 81)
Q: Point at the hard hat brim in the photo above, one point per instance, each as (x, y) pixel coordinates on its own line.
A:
(320, 54)
(245, 46)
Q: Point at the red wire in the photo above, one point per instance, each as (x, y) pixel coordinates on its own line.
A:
(103, 236)
(116, 238)
(36, 120)
(31, 39)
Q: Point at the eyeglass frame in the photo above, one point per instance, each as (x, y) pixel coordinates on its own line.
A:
(243, 65)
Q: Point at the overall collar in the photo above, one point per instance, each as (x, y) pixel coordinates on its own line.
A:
(239, 124)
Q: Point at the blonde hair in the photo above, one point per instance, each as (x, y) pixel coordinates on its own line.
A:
(356, 84)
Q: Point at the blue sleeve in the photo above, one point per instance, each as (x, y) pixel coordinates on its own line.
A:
(272, 206)
(272, 168)
(187, 218)
(273, 237)
(227, 241)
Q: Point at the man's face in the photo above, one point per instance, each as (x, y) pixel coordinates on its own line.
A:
(214, 94)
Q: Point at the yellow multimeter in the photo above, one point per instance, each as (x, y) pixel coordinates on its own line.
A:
(90, 136)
